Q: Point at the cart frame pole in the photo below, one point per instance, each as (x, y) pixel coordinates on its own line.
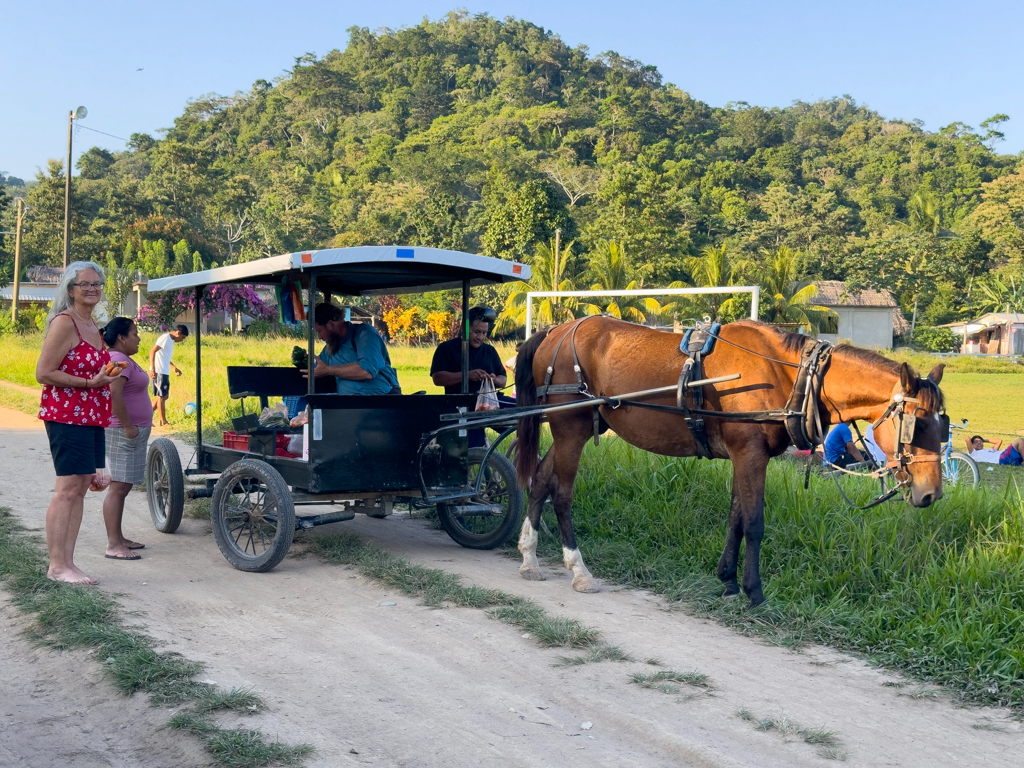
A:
(311, 323)
(465, 337)
(199, 370)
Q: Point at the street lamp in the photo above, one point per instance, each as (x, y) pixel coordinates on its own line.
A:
(78, 114)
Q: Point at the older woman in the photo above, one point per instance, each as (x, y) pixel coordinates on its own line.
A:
(127, 435)
(75, 408)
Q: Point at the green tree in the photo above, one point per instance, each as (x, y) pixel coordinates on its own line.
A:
(787, 297)
(715, 268)
(550, 270)
(610, 270)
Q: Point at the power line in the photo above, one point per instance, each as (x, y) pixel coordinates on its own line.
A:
(86, 127)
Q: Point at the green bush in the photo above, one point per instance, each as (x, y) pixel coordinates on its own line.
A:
(260, 329)
(937, 339)
(26, 323)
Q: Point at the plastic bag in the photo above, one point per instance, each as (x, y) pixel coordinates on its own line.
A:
(487, 399)
(299, 420)
(275, 416)
(100, 480)
(294, 445)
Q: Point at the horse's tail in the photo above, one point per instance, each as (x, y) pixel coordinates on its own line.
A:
(528, 429)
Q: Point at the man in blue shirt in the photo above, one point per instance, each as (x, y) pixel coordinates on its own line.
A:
(354, 354)
(839, 447)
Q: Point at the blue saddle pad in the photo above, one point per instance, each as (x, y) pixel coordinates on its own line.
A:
(709, 344)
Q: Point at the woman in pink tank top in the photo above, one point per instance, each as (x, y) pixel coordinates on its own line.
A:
(75, 408)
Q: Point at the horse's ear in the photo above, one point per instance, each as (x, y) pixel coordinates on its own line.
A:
(908, 380)
(936, 375)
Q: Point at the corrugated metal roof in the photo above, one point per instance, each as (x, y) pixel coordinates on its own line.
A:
(29, 292)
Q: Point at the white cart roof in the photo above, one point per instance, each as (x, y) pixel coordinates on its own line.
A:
(361, 271)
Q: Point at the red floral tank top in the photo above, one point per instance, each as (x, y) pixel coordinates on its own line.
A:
(79, 405)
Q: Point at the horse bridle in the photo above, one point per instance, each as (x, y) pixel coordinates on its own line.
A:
(905, 424)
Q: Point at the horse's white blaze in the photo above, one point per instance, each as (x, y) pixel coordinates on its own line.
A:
(528, 545)
(574, 562)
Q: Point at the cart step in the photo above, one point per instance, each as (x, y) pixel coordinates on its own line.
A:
(312, 521)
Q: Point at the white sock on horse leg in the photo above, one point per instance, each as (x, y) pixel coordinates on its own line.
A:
(528, 545)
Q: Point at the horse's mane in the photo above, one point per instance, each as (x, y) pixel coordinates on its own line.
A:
(928, 390)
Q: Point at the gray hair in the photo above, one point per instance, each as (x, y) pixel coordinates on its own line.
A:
(62, 297)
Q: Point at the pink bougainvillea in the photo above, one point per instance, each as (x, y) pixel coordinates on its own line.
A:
(160, 309)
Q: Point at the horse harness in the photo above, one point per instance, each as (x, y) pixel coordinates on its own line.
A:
(801, 416)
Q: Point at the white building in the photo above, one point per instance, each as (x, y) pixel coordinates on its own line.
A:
(867, 318)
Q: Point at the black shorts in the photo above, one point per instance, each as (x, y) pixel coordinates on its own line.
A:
(161, 385)
(76, 450)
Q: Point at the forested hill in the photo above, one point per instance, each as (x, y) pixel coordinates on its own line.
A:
(487, 135)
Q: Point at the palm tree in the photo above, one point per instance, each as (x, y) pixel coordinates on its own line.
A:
(786, 297)
(993, 295)
(549, 269)
(610, 271)
(923, 213)
(714, 269)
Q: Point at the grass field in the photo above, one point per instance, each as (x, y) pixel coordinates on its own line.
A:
(937, 593)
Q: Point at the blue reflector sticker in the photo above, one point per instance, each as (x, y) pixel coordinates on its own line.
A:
(404, 253)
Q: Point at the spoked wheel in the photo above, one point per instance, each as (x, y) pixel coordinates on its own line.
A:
(961, 469)
(165, 485)
(478, 528)
(253, 515)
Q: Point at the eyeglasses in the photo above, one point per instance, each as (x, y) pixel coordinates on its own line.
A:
(89, 286)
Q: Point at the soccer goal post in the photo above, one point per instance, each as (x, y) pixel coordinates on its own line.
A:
(753, 290)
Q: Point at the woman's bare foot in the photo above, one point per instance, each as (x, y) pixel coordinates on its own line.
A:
(129, 544)
(70, 577)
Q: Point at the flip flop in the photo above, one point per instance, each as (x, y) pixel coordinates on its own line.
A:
(123, 557)
(134, 545)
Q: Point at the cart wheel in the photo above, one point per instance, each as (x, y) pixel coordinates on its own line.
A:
(253, 515)
(961, 469)
(498, 487)
(165, 485)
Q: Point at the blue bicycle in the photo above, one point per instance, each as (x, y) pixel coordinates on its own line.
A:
(958, 468)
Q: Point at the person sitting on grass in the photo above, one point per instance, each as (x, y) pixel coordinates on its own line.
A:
(839, 447)
(1012, 455)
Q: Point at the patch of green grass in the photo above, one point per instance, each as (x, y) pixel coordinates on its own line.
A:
(18, 400)
(436, 587)
(936, 593)
(665, 680)
(829, 743)
(84, 617)
(600, 653)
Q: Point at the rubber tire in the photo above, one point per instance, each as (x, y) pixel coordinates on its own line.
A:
(278, 494)
(513, 512)
(967, 469)
(166, 518)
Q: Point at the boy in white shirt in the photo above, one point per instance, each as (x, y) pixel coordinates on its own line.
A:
(160, 366)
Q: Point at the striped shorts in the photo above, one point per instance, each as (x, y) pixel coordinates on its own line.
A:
(126, 459)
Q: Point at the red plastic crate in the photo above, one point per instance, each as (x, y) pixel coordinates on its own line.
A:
(238, 442)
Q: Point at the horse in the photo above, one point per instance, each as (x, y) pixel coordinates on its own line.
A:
(615, 357)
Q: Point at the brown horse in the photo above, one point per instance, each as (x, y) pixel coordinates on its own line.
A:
(616, 357)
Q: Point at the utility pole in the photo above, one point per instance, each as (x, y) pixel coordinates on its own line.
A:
(17, 260)
(79, 114)
(67, 196)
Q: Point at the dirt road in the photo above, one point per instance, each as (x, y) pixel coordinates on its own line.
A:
(376, 684)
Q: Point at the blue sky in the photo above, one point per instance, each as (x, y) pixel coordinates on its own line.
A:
(135, 64)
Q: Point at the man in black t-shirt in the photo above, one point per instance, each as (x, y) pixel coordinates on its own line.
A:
(484, 362)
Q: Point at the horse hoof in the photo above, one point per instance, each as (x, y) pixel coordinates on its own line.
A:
(730, 595)
(731, 590)
(585, 584)
(532, 573)
(756, 600)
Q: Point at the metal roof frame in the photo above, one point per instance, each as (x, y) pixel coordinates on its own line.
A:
(361, 271)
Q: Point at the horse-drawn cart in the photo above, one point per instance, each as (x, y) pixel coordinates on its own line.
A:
(360, 453)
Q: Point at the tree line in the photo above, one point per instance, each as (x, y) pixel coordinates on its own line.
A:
(488, 136)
